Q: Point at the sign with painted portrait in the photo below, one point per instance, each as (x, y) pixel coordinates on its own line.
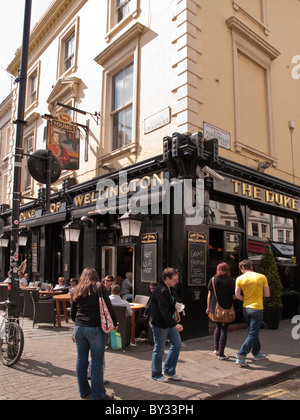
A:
(63, 139)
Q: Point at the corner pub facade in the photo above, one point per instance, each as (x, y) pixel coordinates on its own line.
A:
(166, 238)
(225, 64)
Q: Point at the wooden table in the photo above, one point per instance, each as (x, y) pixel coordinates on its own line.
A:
(64, 299)
(50, 292)
(135, 307)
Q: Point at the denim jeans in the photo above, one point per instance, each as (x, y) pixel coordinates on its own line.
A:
(254, 319)
(90, 338)
(160, 335)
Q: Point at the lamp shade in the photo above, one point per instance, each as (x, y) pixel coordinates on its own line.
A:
(72, 232)
(4, 242)
(130, 224)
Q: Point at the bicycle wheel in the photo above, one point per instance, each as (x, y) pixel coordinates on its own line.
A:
(11, 347)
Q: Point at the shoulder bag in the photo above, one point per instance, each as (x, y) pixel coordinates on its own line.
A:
(107, 324)
(221, 315)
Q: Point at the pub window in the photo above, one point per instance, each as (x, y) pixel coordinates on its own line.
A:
(123, 8)
(219, 213)
(69, 58)
(68, 50)
(122, 107)
(32, 94)
(28, 150)
(255, 231)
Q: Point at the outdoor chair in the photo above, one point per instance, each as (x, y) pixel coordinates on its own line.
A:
(43, 310)
(27, 305)
(124, 324)
(141, 299)
(3, 292)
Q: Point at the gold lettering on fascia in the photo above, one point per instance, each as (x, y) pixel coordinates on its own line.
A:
(115, 191)
(270, 197)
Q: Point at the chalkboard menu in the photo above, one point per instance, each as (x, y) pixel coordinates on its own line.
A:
(197, 246)
(149, 257)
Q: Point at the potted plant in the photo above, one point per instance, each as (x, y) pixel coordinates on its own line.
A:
(273, 304)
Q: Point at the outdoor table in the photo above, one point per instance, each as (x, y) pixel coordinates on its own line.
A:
(135, 307)
(50, 292)
(64, 299)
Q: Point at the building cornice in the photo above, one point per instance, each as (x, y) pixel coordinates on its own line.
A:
(49, 26)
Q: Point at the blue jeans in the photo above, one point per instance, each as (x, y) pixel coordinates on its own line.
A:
(254, 319)
(90, 338)
(160, 335)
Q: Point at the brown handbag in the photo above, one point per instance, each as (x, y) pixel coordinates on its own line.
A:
(221, 315)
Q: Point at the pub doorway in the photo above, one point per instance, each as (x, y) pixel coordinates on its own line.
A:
(117, 261)
(224, 246)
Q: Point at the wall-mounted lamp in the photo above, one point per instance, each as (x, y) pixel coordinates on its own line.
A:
(23, 237)
(72, 232)
(4, 241)
(130, 224)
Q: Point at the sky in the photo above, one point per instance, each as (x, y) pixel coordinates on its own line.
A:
(11, 34)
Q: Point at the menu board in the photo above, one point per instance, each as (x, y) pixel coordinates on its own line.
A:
(149, 258)
(197, 249)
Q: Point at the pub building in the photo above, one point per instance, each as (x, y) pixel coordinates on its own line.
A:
(237, 210)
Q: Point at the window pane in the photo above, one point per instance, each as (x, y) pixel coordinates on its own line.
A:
(128, 128)
(69, 51)
(129, 84)
(118, 91)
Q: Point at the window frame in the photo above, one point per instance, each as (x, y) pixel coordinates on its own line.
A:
(73, 28)
(33, 103)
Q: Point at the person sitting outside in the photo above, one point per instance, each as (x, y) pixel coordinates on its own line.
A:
(73, 284)
(108, 282)
(127, 286)
(116, 299)
(60, 285)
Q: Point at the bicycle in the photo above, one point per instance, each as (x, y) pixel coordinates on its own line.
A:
(11, 337)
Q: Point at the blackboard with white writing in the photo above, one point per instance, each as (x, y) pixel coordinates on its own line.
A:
(149, 258)
(197, 243)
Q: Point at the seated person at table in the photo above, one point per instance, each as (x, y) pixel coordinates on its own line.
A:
(116, 299)
(22, 280)
(108, 282)
(127, 286)
(73, 284)
(61, 284)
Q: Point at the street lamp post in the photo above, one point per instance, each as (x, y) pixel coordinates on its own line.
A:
(16, 198)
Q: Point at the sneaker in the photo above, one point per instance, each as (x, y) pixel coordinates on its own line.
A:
(224, 357)
(216, 353)
(173, 377)
(260, 356)
(241, 362)
(161, 379)
(109, 397)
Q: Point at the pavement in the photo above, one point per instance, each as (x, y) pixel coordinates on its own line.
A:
(46, 370)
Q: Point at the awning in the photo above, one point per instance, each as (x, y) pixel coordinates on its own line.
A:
(256, 247)
(45, 220)
(282, 250)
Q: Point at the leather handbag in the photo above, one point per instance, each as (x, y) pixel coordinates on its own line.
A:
(221, 315)
(107, 323)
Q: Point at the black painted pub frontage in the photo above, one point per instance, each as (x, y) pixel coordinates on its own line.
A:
(233, 211)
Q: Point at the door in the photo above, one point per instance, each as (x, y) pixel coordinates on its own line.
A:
(109, 261)
(233, 252)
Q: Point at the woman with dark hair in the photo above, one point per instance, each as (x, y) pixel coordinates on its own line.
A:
(88, 333)
(225, 290)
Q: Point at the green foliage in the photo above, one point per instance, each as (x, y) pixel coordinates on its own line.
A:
(268, 267)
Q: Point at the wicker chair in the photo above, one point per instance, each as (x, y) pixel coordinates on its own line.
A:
(43, 310)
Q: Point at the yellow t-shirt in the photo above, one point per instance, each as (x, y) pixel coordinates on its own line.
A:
(252, 285)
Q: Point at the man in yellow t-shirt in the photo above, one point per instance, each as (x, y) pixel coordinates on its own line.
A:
(251, 288)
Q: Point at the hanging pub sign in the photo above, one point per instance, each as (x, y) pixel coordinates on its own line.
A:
(63, 139)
